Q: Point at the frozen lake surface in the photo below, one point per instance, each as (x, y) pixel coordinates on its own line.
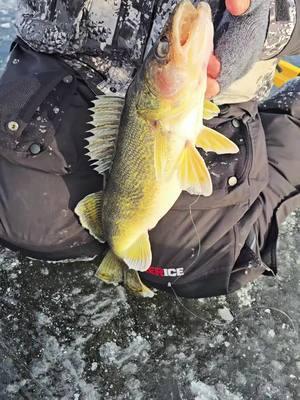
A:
(7, 9)
(65, 335)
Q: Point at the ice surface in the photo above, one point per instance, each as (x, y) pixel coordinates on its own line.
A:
(69, 336)
(64, 335)
(7, 18)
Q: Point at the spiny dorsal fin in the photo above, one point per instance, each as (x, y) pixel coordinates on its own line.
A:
(106, 116)
(210, 110)
(211, 140)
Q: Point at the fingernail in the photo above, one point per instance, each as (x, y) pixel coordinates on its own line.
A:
(237, 7)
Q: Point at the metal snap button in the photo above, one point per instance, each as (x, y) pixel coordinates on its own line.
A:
(232, 181)
(13, 126)
(68, 79)
(35, 149)
(236, 123)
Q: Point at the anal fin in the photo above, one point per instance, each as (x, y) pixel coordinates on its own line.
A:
(139, 255)
(193, 173)
(89, 211)
(211, 140)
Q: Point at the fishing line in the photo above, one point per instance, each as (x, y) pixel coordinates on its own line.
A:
(237, 316)
(178, 299)
(197, 235)
(242, 313)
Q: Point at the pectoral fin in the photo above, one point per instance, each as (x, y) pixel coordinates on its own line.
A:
(111, 269)
(89, 211)
(193, 173)
(139, 255)
(211, 140)
(210, 110)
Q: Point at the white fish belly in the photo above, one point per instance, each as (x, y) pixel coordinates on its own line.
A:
(164, 200)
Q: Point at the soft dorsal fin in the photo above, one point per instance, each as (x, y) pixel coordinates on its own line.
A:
(106, 115)
(89, 211)
(210, 110)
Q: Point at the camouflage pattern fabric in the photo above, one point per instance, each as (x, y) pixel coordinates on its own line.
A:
(106, 41)
(281, 26)
(258, 82)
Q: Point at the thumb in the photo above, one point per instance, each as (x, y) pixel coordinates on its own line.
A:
(237, 7)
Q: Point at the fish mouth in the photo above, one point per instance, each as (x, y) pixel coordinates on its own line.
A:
(190, 29)
(183, 52)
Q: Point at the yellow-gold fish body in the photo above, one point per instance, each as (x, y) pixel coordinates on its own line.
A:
(156, 134)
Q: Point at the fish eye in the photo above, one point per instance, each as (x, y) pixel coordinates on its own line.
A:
(162, 49)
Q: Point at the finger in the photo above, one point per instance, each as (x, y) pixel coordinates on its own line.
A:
(237, 7)
(214, 67)
(213, 88)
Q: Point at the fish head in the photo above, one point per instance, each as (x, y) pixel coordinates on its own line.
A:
(177, 66)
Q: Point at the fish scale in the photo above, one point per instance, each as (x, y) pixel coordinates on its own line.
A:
(148, 143)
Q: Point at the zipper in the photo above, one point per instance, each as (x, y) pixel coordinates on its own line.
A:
(249, 151)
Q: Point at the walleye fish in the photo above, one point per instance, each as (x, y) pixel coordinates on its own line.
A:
(149, 144)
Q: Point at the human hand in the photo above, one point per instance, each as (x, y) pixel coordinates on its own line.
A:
(239, 40)
(237, 7)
